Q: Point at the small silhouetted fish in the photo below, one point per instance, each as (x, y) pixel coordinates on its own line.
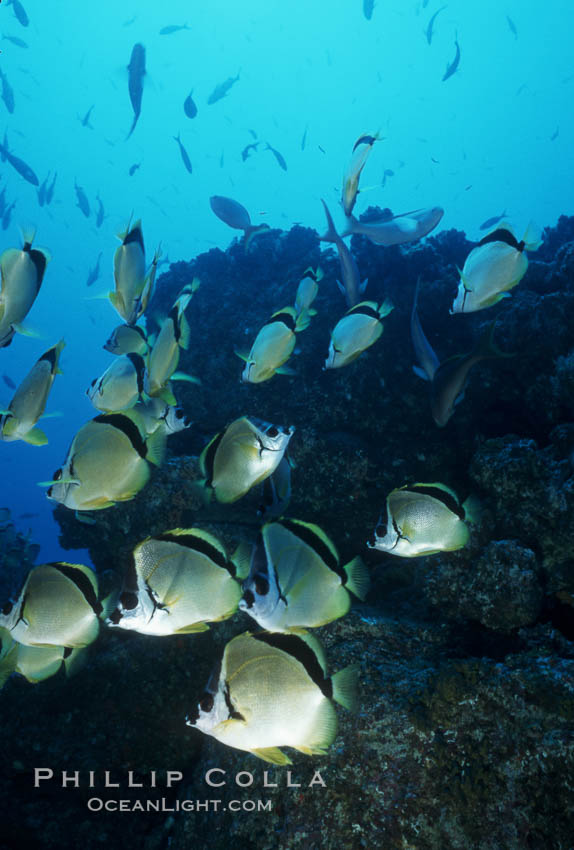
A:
(453, 66)
(248, 149)
(253, 133)
(83, 202)
(136, 74)
(430, 28)
(321, 149)
(15, 40)
(50, 190)
(130, 21)
(100, 215)
(7, 216)
(512, 26)
(85, 121)
(173, 28)
(555, 134)
(490, 222)
(368, 6)
(94, 272)
(278, 156)
(18, 164)
(184, 156)
(189, 106)
(42, 192)
(20, 13)
(388, 172)
(304, 139)
(221, 89)
(9, 382)
(134, 168)
(7, 92)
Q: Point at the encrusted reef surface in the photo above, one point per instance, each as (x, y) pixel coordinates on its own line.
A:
(464, 737)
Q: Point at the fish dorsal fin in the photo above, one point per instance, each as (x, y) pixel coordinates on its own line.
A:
(127, 425)
(84, 578)
(199, 541)
(305, 649)
(317, 540)
(207, 456)
(440, 492)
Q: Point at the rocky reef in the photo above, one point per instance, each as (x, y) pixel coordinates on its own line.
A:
(464, 737)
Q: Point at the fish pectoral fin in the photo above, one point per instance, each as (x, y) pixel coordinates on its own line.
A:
(85, 517)
(75, 660)
(342, 289)
(285, 370)
(183, 376)
(35, 437)
(167, 395)
(192, 629)
(272, 755)
(421, 373)
(243, 355)
(24, 331)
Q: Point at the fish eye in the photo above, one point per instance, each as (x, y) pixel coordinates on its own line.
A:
(248, 599)
(261, 586)
(272, 431)
(380, 531)
(206, 703)
(57, 475)
(115, 616)
(179, 413)
(128, 600)
(7, 608)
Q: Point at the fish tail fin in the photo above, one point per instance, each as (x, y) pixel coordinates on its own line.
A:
(472, 509)
(358, 579)
(532, 236)
(304, 319)
(155, 445)
(345, 687)
(251, 231)
(28, 234)
(331, 234)
(486, 347)
(386, 307)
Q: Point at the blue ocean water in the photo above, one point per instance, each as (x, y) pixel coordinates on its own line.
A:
(495, 136)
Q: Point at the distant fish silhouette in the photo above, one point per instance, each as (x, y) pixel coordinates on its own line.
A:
(83, 202)
(490, 222)
(9, 382)
(221, 89)
(136, 74)
(368, 6)
(18, 164)
(173, 28)
(184, 155)
(453, 66)
(430, 27)
(85, 121)
(278, 156)
(189, 106)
